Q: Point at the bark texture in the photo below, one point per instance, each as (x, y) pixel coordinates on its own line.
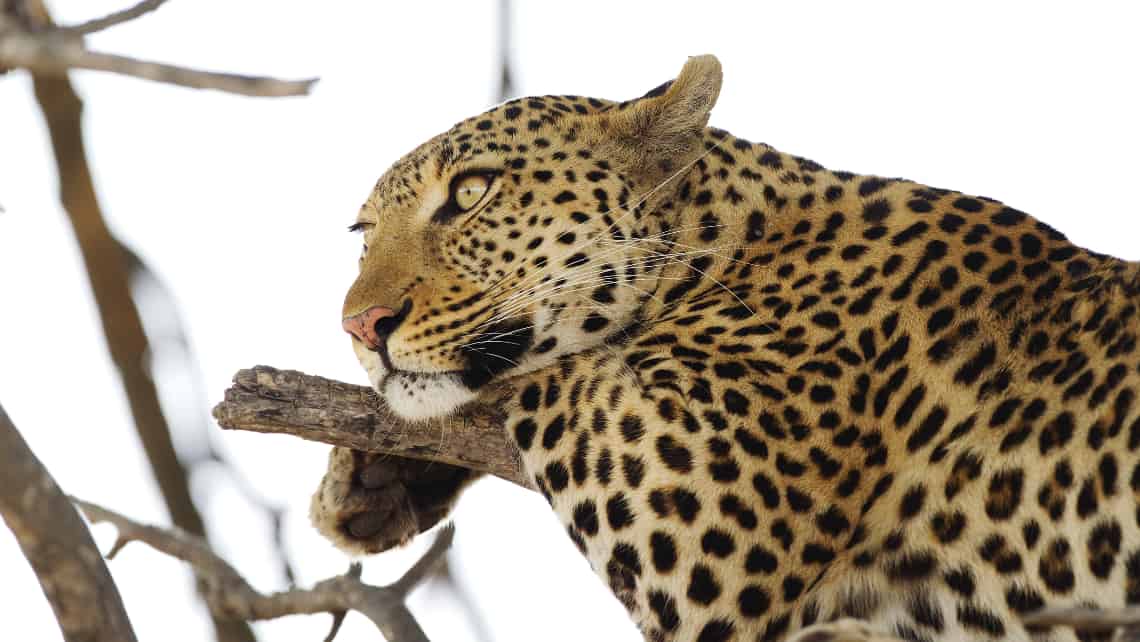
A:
(264, 399)
(58, 545)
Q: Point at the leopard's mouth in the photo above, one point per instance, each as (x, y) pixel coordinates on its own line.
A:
(412, 376)
(377, 362)
(487, 355)
(495, 350)
(381, 371)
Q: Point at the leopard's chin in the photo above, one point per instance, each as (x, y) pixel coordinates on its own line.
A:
(422, 396)
(415, 396)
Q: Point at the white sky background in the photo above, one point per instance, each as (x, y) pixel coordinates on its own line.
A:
(240, 205)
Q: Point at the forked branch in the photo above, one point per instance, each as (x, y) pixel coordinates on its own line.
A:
(229, 594)
(29, 41)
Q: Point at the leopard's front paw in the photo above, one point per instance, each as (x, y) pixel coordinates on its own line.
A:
(369, 503)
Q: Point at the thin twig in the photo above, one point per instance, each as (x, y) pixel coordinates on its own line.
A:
(427, 563)
(1086, 619)
(506, 78)
(229, 593)
(477, 624)
(165, 328)
(116, 18)
(55, 54)
(355, 569)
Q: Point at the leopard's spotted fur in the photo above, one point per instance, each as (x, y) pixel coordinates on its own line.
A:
(760, 394)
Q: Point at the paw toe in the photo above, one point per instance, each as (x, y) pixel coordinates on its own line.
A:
(361, 507)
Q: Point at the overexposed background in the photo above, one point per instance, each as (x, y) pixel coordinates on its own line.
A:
(240, 206)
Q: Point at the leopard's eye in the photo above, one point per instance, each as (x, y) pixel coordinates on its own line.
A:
(470, 190)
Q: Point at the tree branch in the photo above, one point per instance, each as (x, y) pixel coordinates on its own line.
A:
(1087, 619)
(116, 18)
(264, 399)
(55, 53)
(28, 41)
(506, 78)
(227, 592)
(58, 546)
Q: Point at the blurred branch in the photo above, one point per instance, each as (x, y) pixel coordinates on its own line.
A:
(506, 81)
(228, 592)
(55, 53)
(116, 18)
(170, 349)
(1088, 619)
(107, 272)
(27, 41)
(58, 546)
(477, 625)
(264, 399)
(272, 511)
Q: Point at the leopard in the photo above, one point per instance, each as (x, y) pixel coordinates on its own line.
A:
(765, 400)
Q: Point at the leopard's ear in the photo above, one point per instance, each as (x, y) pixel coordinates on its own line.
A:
(660, 132)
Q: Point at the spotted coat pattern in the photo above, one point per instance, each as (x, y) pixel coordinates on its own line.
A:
(761, 394)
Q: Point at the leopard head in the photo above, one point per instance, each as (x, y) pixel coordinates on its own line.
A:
(520, 236)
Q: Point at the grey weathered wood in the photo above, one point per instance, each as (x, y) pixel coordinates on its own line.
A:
(228, 592)
(58, 546)
(264, 399)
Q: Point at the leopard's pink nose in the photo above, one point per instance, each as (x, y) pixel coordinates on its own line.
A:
(369, 326)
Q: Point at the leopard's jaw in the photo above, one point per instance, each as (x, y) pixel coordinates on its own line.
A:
(413, 396)
(419, 397)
